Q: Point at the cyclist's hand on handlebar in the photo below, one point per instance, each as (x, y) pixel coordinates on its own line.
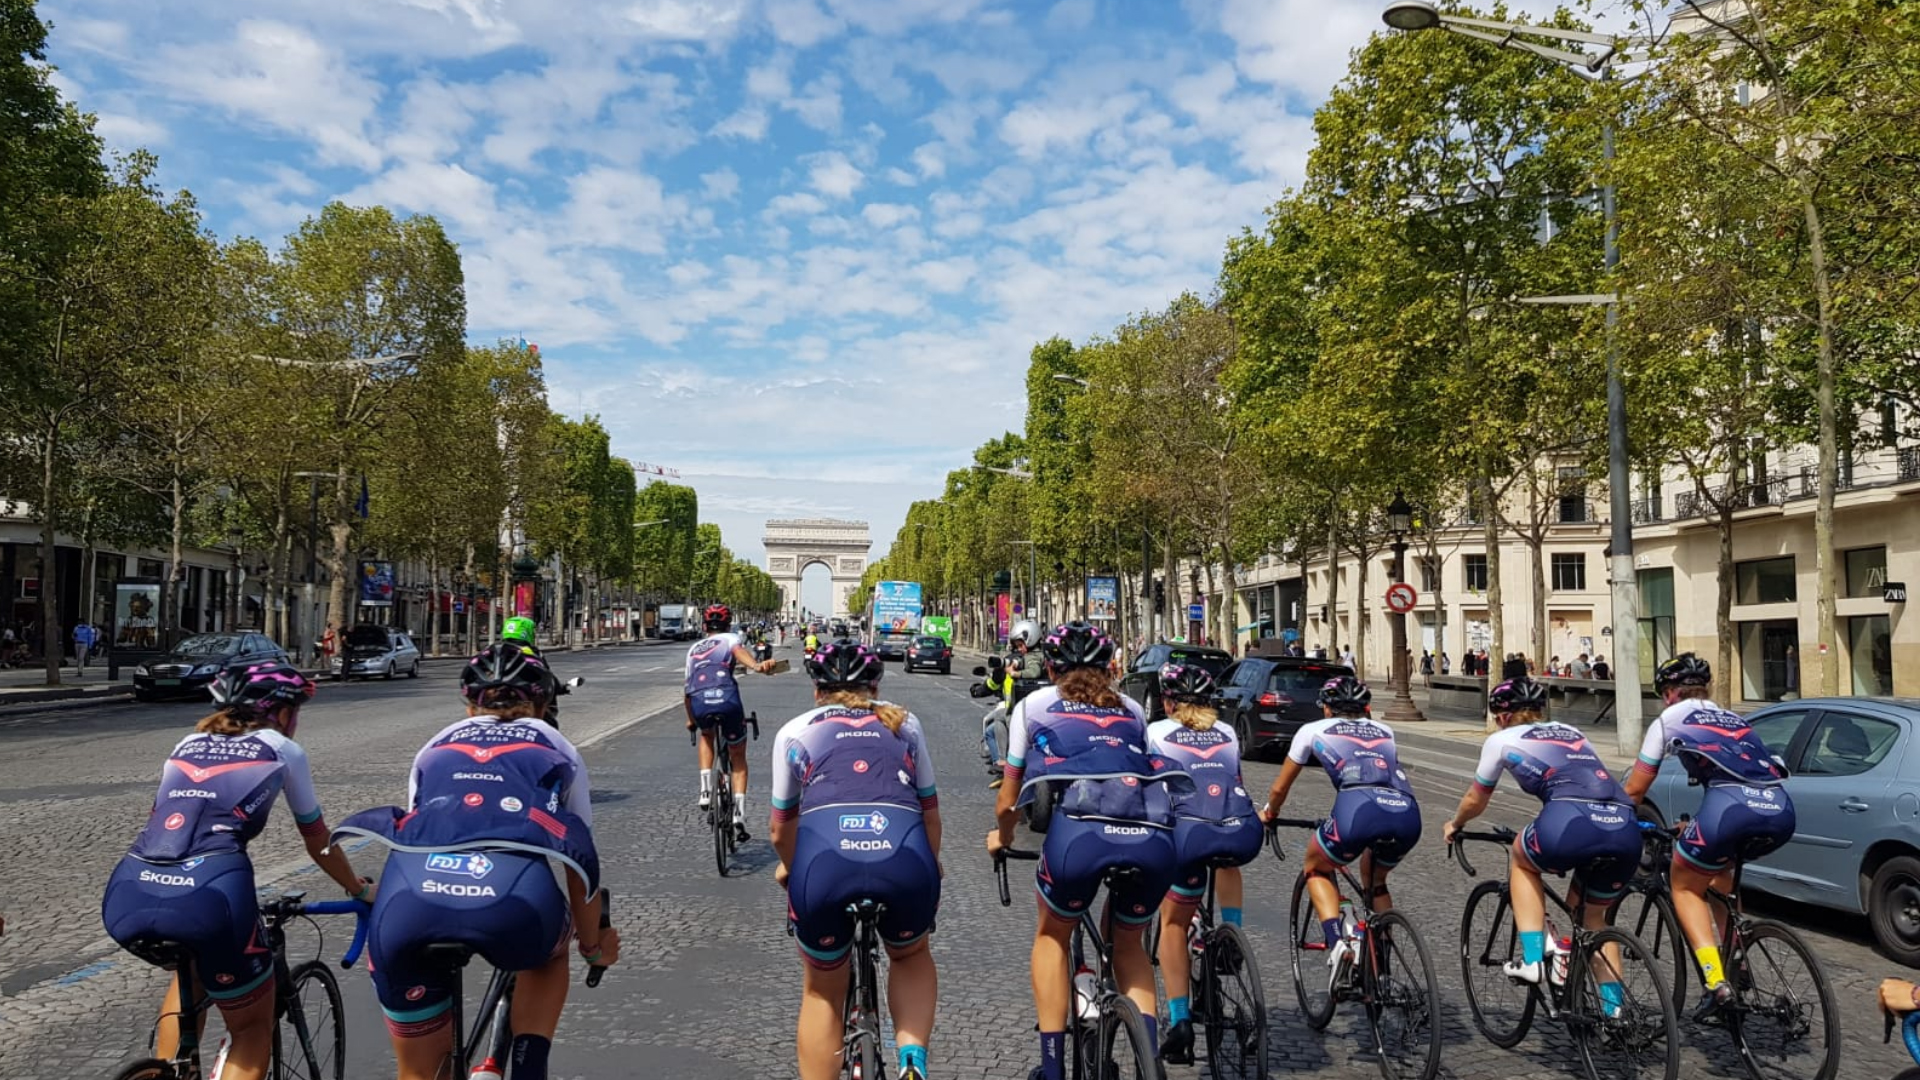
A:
(781, 874)
(1898, 996)
(1447, 831)
(995, 845)
(608, 948)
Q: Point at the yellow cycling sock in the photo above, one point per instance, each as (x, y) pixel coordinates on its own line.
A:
(1710, 972)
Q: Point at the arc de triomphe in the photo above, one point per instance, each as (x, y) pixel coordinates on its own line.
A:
(840, 546)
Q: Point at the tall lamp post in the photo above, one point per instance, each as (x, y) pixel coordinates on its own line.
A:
(1401, 708)
(1416, 15)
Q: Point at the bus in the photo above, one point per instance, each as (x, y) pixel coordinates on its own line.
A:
(893, 618)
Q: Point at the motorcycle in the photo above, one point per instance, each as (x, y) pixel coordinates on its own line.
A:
(1038, 811)
(553, 707)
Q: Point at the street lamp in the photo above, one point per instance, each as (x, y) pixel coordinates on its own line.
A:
(1414, 15)
(1401, 708)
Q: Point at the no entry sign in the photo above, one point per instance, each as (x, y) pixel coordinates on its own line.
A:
(1401, 598)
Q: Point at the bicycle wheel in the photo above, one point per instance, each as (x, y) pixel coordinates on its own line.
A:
(1628, 1032)
(1785, 1023)
(1309, 955)
(144, 1069)
(1647, 914)
(862, 1061)
(1121, 1051)
(1235, 1006)
(721, 820)
(1403, 999)
(1502, 1009)
(309, 1042)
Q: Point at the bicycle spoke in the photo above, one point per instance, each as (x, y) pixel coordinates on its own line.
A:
(312, 1043)
(1237, 1036)
(1786, 1024)
(1309, 958)
(1405, 997)
(1502, 1009)
(1646, 914)
(1620, 1013)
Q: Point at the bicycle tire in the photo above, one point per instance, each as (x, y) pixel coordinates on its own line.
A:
(1310, 985)
(721, 820)
(318, 1017)
(1229, 965)
(1647, 913)
(145, 1069)
(1396, 987)
(1120, 1020)
(1756, 1001)
(1642, 1030)
(1484, 950)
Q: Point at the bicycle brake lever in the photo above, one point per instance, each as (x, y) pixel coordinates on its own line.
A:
(1886, 1026)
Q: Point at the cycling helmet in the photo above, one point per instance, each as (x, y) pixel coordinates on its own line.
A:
(1516, 694)
(719, 617)
(259, 689)
(1186, 682)
(1026, 630)
(1344, 693)
(506, 666)
(844, 662)
(1077, 645)
(1683, 670)
(520, 629)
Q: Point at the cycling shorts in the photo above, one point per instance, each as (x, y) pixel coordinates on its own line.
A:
(731, 719)
(206, 904)
(1199, 844)
(1736, 821)
(1599, 842)
(1382, 820)
(504, 905)
(839, 858)
(1078, 852)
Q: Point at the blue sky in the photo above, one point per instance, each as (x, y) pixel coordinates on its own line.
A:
(796, 249)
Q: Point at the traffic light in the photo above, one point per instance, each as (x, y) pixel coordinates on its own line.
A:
(1159, 597)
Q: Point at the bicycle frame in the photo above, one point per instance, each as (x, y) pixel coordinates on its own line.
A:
(861, 1013)
(495, 1014)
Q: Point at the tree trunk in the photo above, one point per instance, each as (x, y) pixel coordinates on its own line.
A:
(433, 606)
(1496, 611)
(1229, 604)
(1333, 582)
(1360, 616)
(1210, 626)
(1723, 608)
(1176, 614)
(171, 618)
(340, 534)
(49, 577)
(1825, 571)
(1536, 538)
(1439, 605)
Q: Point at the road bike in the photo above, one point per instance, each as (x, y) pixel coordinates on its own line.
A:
(1631, 1031)
(1228, 1001)
(492, 1029)
(308, 1040)
(1106, 1036)
(1391, 975)
(1781, 1017)
(720, 805)
(861, 1043)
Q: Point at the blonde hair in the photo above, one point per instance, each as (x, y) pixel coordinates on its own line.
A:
(237, 722)
(1194, 716)
(890, 714)
(1091, 685)
(1523, 716)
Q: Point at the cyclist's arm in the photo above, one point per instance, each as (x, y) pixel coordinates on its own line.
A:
(784, 830)
(1299, 752)
(586, 923)
(1485, 776)
(578, 796)
(1653, 748)
(1004, 816)
(305, 805)
(923, 783)
(745, 658)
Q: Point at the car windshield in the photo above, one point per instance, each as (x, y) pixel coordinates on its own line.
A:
(367, 637)
(1301, 681)
(208, 645)
(1213, 662)
(930, 642)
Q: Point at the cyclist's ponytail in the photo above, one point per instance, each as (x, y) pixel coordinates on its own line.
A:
(234, 722)
(889, 714)
(1194, 716)
(1089, 684)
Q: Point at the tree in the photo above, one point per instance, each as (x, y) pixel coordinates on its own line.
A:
(663, 553)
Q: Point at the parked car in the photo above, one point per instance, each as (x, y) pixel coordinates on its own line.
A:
(193, 664)
(377, 650)
(1268, 698)
(933, 653)
(1142, 679)
(1855, 784)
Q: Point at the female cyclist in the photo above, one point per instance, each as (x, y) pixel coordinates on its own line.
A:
(865, 764)
(188, 879)
(1214, 821)
(1083, 735)
(490, 800)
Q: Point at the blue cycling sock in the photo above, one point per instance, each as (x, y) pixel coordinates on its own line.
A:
(530, 1057)
(913, 1057)
(1331, 928)
(1231, 916)
(1176, 1010)
(1533, 946)
(1153, 1035)
(1612, 997)
(1053, 1052)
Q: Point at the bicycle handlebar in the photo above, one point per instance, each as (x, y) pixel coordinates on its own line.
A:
(1273, 832)
(606, 923)
(1499, 834)
(288, 909)
(1000, 868)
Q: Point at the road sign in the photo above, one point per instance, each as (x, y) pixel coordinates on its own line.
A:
(1196, 613)
(1894, 592)
(1401, 598)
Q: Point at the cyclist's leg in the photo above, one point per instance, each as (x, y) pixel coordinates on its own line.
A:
(1067, 880)
(1131, 909)
(1527, 892)
(818, 1039)
(908, 883)
(249, 1021)
(1703, 860)
(913, 986)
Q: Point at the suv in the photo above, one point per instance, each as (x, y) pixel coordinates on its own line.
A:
(929, 651)
(1142, 680)
(1268, 699)
(372, 650)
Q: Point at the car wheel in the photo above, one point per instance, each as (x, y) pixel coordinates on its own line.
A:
(389, 675)
(414, 671)
(142, 696)
(1893, 908)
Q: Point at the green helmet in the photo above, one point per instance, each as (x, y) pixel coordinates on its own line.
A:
(519, 628)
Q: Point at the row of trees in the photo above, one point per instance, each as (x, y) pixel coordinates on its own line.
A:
(1367, 340)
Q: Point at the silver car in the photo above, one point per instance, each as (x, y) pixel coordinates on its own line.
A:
(377, 650)
(1855, 786)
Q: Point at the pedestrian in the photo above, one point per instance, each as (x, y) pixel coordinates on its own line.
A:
(1553, 666)
(1601, 671)
(1446, 663)
(1426, 662)
(83, 637)
(329, 642)
(1319, 652)
(1581, 668)
(1346, 656)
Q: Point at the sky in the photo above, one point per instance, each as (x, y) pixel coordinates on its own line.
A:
(796, 250)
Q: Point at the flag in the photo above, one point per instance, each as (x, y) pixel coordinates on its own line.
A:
(364, 505)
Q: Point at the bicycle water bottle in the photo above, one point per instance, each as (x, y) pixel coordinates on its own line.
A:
(486, 1070)
(1558, 949)
(1196, 944)
(1348, 924)
(220, 1057)
(1085, 989)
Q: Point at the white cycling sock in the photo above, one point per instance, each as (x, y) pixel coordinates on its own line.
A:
(706, 782)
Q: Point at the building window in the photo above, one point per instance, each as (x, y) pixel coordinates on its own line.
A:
(1476, 572)
(1657, 642)
(1765, 581)
(1870, 648)
(1574, 509)
(1866, 571)
(1429, 575)
(1569, 571)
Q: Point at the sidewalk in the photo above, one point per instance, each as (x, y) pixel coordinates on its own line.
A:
(1603, 737)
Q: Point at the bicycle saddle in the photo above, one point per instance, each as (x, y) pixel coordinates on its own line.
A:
(1118, 877)
(451, 954)
(160, 952)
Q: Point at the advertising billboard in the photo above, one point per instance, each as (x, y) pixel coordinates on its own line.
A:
(1103, 598)
(376, 583)
(896, 607)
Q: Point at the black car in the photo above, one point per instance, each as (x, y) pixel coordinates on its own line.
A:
(931, 652)
(194, 663)
(1268, 698)
(1142, 680)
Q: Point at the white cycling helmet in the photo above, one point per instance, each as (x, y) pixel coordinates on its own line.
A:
(1027, 631)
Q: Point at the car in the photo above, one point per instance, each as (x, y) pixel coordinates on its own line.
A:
(371, 650)
(892, 646)
(1142, 679)
(1854, 777)
(191, 666)
(1268, 699)
(928, 651)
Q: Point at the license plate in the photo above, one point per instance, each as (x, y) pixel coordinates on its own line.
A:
(166, 682)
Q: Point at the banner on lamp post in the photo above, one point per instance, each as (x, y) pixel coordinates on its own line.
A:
(1103, 598)
(376, 583)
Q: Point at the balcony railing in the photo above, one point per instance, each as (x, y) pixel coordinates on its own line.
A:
(1576, 512)
(1647, 510)
(1907, 464)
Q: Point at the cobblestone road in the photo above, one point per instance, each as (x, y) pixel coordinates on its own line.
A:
(709, 983)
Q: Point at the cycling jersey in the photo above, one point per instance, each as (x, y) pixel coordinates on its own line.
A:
(1214, 823)
(1373, 806)
(1100, 752)
(1356, 751)
(1718, 746)
(1549, 761)
(1586, 824)
(216, 791)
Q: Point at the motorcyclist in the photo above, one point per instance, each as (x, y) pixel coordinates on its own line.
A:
(521, 631)
(1022, 671)
(813, 642)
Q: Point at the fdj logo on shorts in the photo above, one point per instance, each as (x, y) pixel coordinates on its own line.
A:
(875, 823)
(472, 864)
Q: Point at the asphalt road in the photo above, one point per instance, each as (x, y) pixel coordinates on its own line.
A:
(709, 983)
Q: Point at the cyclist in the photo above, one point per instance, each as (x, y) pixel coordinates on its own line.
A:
(856, 816)
(187, 877)
(490, 799)
(1374, 818)
(1745, 812)
(1215, 820)
(714, 707)
(1586, 824)
(1081, 733)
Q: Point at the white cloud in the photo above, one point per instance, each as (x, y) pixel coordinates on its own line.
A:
(832, 175)
(772, 80)
(124, 132)
(801, 22)
(612, 208)
(1071, 15)
(722, 184)
(887, 215)
(819, 106)
(749, 123)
